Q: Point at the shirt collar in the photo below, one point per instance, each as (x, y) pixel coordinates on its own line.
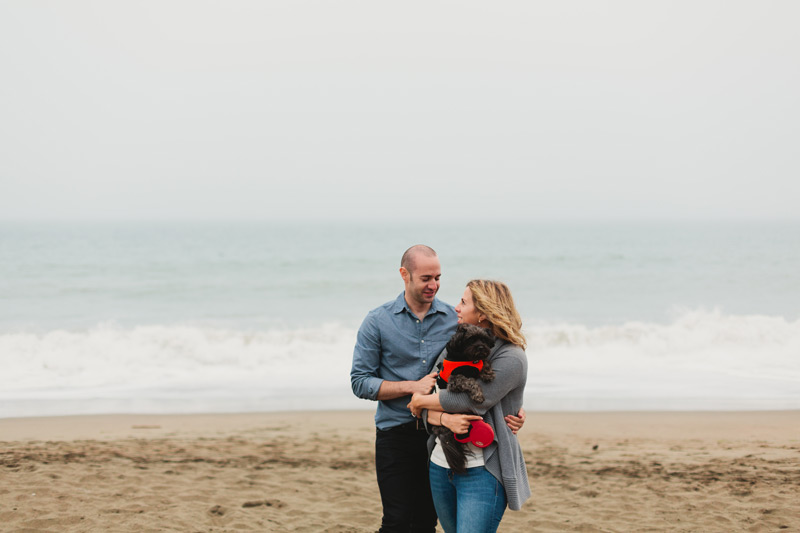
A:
(401, 305)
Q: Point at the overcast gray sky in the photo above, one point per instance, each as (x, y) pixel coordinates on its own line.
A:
(408, 110)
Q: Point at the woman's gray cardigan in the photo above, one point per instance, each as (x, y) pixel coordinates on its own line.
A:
(502, 458)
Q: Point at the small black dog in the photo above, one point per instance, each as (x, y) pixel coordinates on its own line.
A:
(462, 370)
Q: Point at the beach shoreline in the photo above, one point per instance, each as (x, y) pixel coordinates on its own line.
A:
(314, 471)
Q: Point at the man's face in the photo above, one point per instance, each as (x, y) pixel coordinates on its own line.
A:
(422, 283)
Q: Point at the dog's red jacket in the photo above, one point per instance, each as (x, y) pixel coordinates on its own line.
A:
(449, 366)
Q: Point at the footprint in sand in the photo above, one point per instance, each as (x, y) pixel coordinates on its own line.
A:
(268, 503)
(217, 510)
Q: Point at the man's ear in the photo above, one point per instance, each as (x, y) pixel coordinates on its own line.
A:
(405, 274)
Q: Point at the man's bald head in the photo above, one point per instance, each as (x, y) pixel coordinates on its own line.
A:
(420, 270)
(409, 259)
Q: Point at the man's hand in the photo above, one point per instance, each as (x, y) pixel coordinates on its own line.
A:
(397, 389)
(516, 422)
(425, 384)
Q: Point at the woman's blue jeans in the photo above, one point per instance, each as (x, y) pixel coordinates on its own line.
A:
(467, 503)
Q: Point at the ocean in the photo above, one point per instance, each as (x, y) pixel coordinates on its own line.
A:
(187, 317)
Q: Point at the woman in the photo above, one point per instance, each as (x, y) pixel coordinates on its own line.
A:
(496, 476)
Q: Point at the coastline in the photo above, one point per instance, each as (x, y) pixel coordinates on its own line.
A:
(313, 471)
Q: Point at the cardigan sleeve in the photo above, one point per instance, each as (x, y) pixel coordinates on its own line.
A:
(508, 365)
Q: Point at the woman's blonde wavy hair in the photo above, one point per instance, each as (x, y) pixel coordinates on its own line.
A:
(493, 299)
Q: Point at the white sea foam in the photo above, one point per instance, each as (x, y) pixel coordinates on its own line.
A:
(702, 359)
(175, 368)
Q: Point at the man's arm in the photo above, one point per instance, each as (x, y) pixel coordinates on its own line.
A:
(390, 390)
(364, 378)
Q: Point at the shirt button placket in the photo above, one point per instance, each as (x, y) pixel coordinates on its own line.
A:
(422, 350)
(419, 336)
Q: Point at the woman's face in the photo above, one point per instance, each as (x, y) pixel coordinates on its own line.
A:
(467, 314)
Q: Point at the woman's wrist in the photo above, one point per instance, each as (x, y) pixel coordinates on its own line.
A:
(427, 401)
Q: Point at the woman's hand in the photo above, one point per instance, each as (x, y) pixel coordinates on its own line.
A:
(423, 401)
(413, 405)
(458, 424)
(515, 423)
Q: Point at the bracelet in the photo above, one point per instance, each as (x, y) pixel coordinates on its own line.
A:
(440, 417)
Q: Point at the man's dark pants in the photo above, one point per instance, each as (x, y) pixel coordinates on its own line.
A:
(401, 461)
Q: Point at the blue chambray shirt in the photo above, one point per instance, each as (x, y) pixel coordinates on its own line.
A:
(394, 345)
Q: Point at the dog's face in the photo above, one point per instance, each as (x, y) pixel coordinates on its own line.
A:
(470, 343)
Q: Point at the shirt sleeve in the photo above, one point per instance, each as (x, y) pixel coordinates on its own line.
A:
(367, 360)
(508, 366)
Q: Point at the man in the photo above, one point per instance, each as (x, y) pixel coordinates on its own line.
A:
(395, 350)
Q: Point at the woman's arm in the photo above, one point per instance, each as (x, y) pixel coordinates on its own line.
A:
(424, 401)
(458, 424)
(430, 402)
(509, 366)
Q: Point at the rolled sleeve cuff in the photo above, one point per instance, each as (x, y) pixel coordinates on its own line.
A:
(370, 389)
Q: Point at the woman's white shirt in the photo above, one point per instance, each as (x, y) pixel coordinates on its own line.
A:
(474, 455)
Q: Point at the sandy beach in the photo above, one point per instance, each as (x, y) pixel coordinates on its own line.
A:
(313, 471)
